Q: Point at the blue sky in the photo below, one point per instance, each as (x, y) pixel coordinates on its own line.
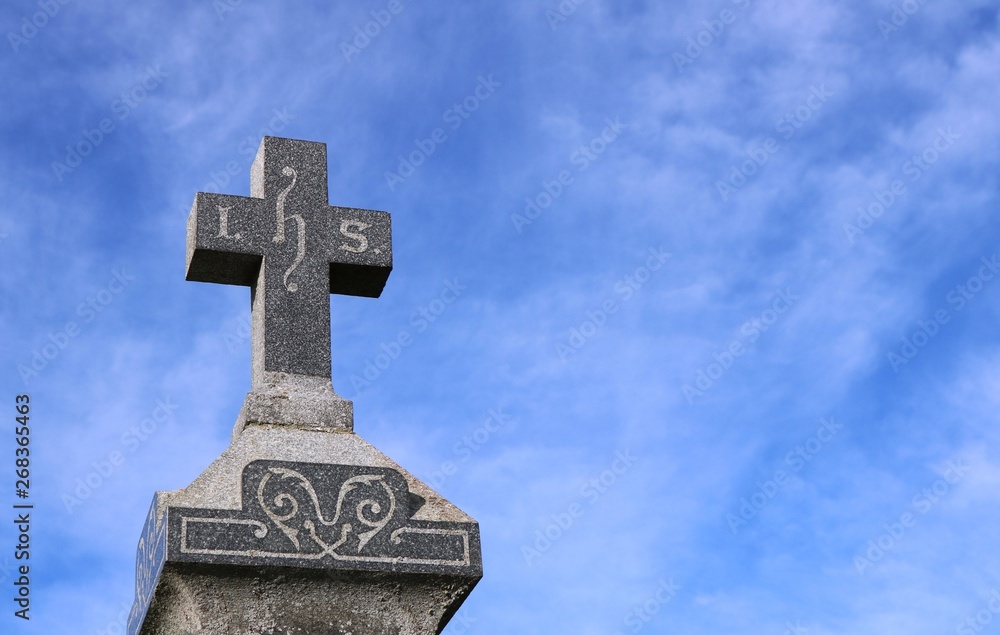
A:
(700, 298)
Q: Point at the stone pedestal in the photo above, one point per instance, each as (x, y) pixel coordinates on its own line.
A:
(303, 530)
(222, 600)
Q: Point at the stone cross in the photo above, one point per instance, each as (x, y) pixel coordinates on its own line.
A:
(300, 525)
(293, 250)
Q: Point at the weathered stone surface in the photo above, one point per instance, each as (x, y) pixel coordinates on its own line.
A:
(299, 400)
(198, 599)
(268, 466)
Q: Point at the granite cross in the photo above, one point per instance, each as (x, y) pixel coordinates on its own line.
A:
(293, 250)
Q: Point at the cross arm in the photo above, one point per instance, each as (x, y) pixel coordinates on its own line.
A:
(223, 245)
(360, 251)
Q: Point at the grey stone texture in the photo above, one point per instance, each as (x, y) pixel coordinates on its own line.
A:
(300, 526)
(220, 492)
(299, 400)
(321, 516)
(273, 601)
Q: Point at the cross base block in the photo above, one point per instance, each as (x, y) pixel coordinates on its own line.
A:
(295, 400)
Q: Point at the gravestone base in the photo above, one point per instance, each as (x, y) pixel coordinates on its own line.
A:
(194, 598)
(297, 530)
